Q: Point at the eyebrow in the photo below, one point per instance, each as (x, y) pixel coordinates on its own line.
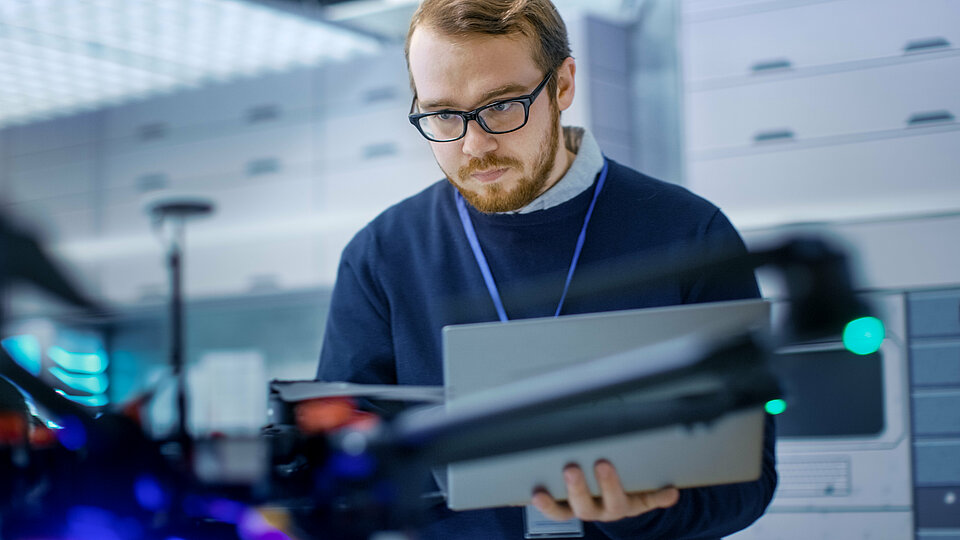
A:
(512, 88)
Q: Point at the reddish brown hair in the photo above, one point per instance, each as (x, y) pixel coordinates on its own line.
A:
(535, 20)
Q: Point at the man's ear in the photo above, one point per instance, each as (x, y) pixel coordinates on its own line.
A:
(566, 84)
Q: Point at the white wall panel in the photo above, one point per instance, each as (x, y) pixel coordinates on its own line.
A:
(246, 202)
(136, 277)
(260, 201)
(259, 264)
(123, 214)
(376, 184)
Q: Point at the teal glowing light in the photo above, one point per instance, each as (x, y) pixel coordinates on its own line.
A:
(25, 350)
(92, 384)
(776, 406)
(79, 362)
(98, 400)
(863, 335)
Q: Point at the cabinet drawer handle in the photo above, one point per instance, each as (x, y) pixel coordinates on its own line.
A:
(383, 93)
(259, 167)
(373, 151)
(780, 135)
(771, 65)
(927, 44)
(263, 113)
(930, 117)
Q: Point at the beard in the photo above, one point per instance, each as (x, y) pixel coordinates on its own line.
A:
(495, 197)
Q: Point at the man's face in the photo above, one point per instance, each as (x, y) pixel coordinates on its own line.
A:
(494, 173)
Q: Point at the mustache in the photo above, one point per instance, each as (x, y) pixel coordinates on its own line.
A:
(488, 162)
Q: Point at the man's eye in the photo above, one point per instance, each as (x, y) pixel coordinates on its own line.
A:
(445, 116)
(504, 107)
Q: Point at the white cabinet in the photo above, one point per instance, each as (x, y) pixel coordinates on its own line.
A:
(52, 181)
(346, 141)
(223, 106)
(224, 159)
(822, 110)
(364, 83)
(752, 38)
(51, 135)
(889, 97)
(881, 177)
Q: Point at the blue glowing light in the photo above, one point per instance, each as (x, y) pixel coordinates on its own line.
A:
(348, 466)
(93, 522)
(25, 350)
(226, 510)
(150, 494)
(87, 363)
(72, 435)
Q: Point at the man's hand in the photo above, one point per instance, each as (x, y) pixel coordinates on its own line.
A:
(613, 504)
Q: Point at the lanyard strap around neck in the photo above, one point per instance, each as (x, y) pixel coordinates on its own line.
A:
(482, 260)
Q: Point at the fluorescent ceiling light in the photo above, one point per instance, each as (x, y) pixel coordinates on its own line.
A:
(59, 57)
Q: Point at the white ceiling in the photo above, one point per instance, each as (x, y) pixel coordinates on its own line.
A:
(63, 56)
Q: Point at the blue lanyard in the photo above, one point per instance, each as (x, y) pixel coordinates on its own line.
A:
(482, 260)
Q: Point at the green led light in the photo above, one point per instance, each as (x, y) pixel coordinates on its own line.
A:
(863, 335)
(776, 406)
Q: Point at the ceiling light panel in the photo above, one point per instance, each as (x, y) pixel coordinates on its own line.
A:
(59, 57)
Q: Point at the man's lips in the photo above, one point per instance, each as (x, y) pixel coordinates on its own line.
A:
(488, 176)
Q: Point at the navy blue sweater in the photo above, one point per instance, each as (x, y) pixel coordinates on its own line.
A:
(411, 271)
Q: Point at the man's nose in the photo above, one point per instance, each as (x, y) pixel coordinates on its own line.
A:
(477, 142)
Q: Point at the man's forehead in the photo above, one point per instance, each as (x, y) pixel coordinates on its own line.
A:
(458, 70)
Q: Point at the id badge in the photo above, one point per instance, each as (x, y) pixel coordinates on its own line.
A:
(538, 525)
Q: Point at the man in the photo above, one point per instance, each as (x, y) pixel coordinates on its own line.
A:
(524, 201)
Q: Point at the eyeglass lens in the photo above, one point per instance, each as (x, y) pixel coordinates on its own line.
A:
(498, 118)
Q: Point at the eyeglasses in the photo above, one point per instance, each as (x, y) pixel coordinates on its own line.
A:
(501, 116)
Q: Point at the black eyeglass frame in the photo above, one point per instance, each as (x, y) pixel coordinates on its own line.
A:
(526, 101)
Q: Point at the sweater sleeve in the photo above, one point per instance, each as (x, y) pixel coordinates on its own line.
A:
(717, 511)
(719, 284)
(357, 343)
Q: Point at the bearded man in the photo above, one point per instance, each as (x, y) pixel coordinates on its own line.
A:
(525, 200)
